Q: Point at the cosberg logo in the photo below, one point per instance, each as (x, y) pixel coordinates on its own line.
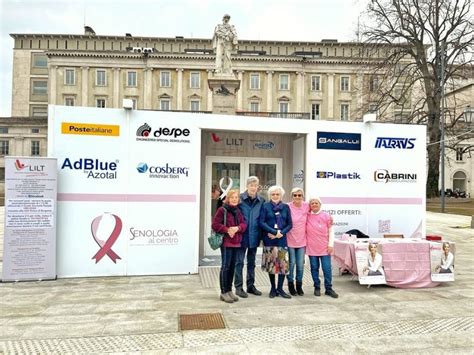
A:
(90, 129)
(94, 168)
(163, 172)
(142, 168)
(395, 143)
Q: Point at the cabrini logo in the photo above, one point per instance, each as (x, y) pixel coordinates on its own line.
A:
(334, 175)
(383, 175)
(144, 130)
(142, 168)
(94, 168)
(395, 143)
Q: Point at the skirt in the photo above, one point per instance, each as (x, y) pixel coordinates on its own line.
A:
(275, 260)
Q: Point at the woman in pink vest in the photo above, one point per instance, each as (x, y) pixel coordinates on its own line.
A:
(319, 246)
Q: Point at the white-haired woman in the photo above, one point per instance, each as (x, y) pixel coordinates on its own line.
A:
(297, 240)
(275, 220)
(319, 246)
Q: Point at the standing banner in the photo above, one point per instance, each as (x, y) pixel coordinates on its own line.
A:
(29, 251)
(442, 261)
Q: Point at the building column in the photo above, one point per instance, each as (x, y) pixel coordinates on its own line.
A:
(53, 85)
(85, 86)
(360, 99)
(240, 96)
(209, 91)
(179, 95)
(299, 91)
(116, 92)
(330, 96)
(148, 89)
(269, 90)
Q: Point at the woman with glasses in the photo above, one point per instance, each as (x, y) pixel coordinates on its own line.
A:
(275, 221)
(296, 239)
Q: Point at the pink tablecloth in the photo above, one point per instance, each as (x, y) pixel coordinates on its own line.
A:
(406, 264)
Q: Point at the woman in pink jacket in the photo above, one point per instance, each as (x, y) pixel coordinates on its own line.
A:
(319, 246)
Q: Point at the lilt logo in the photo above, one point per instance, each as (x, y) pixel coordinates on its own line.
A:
(215, 138)
(163, 171)
(383, 175)
(395, 143)
(19, 166)
(335, 175)
(162, 134)
(93, 168)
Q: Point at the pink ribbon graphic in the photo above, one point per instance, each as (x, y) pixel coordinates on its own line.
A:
(106, 247)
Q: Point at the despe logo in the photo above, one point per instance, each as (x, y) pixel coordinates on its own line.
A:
(337, 176)
(163, 171)
(93, 168)
(395, 143)
(162, 134)
(385, 176)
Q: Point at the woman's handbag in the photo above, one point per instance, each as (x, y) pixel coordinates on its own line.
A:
(215, 239)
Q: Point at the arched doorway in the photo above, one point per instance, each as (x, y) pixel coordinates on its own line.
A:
(459, 181)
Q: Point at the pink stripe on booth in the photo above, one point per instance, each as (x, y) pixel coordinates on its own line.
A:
(373, 200)
(124, 197)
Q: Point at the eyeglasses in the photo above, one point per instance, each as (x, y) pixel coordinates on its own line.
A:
(275, 194)
(297, 195)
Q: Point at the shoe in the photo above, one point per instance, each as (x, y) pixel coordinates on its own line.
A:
(272, 294)
(331, 293)
(253, 290)
(234, 297)
(291, 288)
(317, 292)
(282, 294)
(226, 298)
(241, 293)
(299, 288)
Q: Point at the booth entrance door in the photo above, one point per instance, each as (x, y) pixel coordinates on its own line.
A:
(228, 173)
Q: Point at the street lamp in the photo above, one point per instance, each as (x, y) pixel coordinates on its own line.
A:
(468, 115)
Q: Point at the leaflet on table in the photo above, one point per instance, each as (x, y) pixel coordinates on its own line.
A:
(442, 261)
(369, 263)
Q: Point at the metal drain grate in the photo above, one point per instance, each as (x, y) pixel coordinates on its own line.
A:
(204, 321)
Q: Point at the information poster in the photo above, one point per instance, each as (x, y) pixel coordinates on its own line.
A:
(442, 261)
(29, 251)
(370, 263)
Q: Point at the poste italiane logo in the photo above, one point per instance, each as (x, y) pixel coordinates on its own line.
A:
(90, 129)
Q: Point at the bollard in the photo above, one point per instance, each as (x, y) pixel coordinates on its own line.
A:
(472, 222)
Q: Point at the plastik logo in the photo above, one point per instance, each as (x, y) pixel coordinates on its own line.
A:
(395, 143)
(162, 134)
(93, 168)
(90, 129)
(164, 171)
(264, 145)
(337, 176)
(383, 175)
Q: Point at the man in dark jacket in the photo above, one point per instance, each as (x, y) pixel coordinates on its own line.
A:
(250, 205)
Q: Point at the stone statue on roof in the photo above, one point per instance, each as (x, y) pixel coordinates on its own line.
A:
(224, 42)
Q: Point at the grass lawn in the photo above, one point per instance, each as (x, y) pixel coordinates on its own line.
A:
(463, 206)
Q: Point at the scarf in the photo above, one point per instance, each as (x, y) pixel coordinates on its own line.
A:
(233, 211)
(277, 211)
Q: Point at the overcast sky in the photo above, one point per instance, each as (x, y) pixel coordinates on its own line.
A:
(290, 20)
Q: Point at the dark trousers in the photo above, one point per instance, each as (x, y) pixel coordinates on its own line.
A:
(228, 256)
(239, 266)
(325, 262)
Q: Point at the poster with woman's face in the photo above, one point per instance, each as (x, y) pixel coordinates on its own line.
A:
(442, 261)
(369, 263)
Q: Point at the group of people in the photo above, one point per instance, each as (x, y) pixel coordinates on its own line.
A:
(288, 232)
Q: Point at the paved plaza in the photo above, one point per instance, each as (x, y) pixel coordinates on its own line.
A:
(141, 314)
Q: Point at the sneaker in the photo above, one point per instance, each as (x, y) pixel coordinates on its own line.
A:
(331, 293)
(282, 294)
(272, 294)
(226, 298)
(317, 292)
(234, 297)
(253, 290)
(241, 293)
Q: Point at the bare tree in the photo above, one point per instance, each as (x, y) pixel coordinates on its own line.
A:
(418, 46)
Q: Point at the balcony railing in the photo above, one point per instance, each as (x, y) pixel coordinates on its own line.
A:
(294, 115)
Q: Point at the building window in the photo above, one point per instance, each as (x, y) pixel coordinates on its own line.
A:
(3, 130)
(69, 101)
(195, 105)
(315, 83)
(132, 78)
(35, 148)
(195, 80)
(40, 87)
(4, 147)
(40, 60)
(255, 106)
(39, 111)
(165, 81)
(344, 112)
(374, 83)
(459, 154)
(2, 174)
(35, 130)
(165, 105)
(70, 77)
(100, 77)
(101, 103)
(344, 83)
(284, 82)
(284, 107)
(255, 81)
(315, 111)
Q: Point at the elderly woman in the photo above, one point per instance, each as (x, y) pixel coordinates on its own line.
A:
(319, 246)
(229, 221)
(374, 262)
(275, 221)
(447, 260)
(296, 239)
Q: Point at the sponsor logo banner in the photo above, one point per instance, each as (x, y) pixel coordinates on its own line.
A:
(162, 134)
(264, 145)
(383, 175)
(395, 143)
(335, 175)
(164, 171)
(93, 168)
(154, 236)
(339, 141)
(90, 129)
